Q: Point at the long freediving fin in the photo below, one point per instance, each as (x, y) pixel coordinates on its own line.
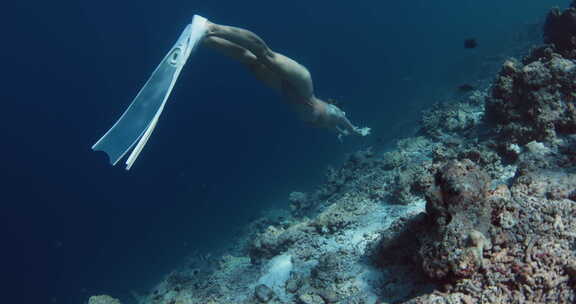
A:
(134, 127)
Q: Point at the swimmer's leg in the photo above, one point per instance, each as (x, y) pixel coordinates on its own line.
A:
(285, 68)
(244, 56)
(253, 43)
(230, 49)
(243, 38)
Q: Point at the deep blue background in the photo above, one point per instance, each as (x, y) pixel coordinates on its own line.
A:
(225, 147)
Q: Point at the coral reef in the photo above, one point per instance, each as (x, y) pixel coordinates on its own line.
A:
(534, 100)
(329, 242)
(457, 205)
(530, 257)
(444, 119)
(560, 30)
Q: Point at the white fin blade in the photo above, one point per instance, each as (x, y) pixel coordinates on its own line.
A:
(134, 127)
(143, 140)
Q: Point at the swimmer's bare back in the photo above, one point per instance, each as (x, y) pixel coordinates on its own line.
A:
(281, 73)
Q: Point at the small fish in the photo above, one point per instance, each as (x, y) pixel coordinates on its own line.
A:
(470, 43)
(466, 88)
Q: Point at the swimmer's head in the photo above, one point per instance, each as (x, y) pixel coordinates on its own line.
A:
(336, 119)
(335, 112)
(332, 117)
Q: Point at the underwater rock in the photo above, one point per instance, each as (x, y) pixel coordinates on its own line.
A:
(103, 299)
(310, 298)
(332, 220)
(460, 188)
(329, 295)
(294, 282)
(460, 213)
(328, 271)
(464, 88)
(398, 245)
(448, 119)
(338, 179)
(525, 240)
(274, 241)
(560, 30)
(402, 188)
(449, 298)
(263, 294)
(299, 202)
(534, 100)
(394, 159)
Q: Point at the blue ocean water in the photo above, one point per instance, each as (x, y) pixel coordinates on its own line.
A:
(226, 146)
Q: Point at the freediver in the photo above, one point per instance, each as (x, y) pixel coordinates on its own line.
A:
(133, 129)
(280, 73)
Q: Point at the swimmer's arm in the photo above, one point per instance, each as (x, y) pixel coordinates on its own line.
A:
(346, 127)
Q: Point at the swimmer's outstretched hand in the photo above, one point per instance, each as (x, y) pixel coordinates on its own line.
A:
(362, 131)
